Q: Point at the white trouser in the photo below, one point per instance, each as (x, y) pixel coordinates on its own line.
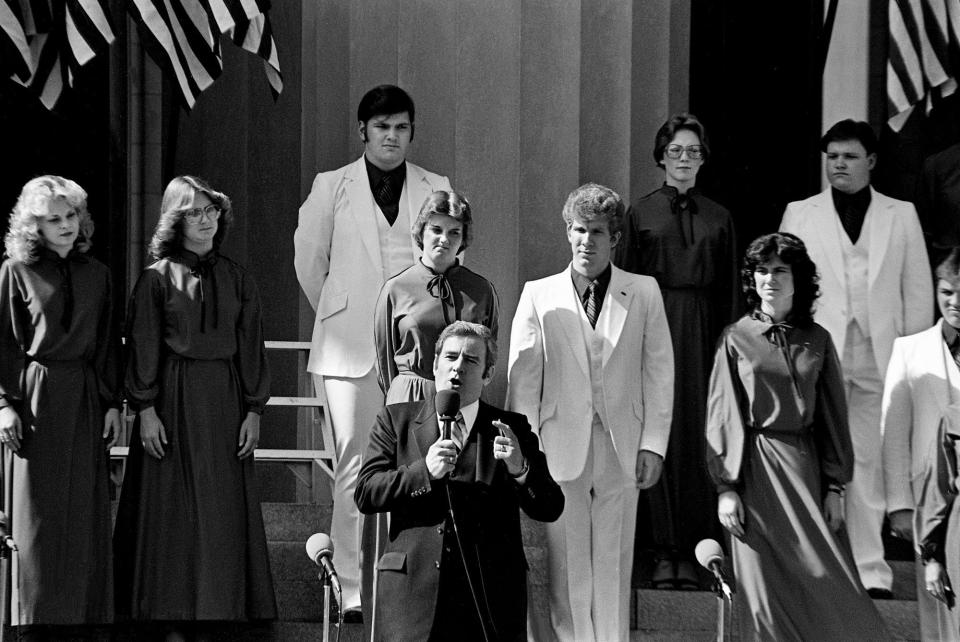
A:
(352, 407)
(865, 499)
(590, 550)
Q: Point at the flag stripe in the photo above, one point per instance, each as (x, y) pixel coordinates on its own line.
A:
(923, 54)
(256, 36)
(14, 47)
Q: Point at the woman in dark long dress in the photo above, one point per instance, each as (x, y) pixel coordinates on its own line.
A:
(59, 414)
(686, 241)
(779, 451)
(417, 304)
(189, 541)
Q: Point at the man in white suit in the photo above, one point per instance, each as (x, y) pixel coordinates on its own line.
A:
(875, 286)
(354, 234)
(922, 380)
(591, 366)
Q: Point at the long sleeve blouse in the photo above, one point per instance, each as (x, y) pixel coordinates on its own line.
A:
(192, 308)
(57, 309)
(776, 378)
(416, 305)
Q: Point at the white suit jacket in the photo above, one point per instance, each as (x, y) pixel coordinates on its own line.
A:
(549, 375)
(914, 397)
(901, 287)
(338, 262)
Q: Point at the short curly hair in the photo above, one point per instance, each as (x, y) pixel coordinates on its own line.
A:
(445, 203)
(793, 252)
(177, 199)
(593, 202)
(23, 239)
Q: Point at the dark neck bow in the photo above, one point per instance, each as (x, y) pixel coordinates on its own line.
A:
(776, 333)
(62, 264)
(684, 208)
(439, 288)
(202, 268)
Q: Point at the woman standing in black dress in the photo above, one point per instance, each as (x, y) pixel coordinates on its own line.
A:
(686, 241)
(59, 414)
(779, 452)
(189, 540)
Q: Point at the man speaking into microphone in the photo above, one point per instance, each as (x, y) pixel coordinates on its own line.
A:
(454, 566)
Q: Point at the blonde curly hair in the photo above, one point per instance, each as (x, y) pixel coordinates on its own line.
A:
(23, 240)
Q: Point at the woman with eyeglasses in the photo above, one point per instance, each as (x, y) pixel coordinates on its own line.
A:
(686, 241)
(417, 304)
(59, 415)
(779, 452)
(189, 541)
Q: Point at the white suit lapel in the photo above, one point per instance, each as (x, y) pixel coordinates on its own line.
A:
(364, 209)
(568, 309)
(613, 314)
(416, 188)
(824, 220)
(935, 345)
(881, 221)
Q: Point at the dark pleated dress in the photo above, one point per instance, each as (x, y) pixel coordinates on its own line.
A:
(58, 369)
(777, 434)
(189, 541)
(688, 244)
(412, 310)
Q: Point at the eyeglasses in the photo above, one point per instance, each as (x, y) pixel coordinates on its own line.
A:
(694, 152)
(194, 215)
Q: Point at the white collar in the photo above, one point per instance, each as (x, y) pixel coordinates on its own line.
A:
(469, 414)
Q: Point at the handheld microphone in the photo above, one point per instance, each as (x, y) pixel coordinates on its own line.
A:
(5, 540)
(710, 556)
(320, 550)
(448, 405)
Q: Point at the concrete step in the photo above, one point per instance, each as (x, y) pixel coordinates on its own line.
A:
(295, 522)
(655, 615)
(692, 615)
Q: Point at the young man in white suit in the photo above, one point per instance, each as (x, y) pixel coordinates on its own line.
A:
(875, 286)
(591, 366)
(922, 380)
(354, 234)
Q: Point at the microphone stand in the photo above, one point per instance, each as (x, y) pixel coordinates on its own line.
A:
(324, 578)
(5, 582)
(724, 604)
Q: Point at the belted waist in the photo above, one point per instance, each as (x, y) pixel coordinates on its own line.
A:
(173, 356)
(803, 432)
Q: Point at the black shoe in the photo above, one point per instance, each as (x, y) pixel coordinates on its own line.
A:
(880, 593)
(353, 616)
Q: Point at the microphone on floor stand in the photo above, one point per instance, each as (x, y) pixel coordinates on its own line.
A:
(710, 556)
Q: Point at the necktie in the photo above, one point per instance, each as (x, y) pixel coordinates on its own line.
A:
(458, 432)
(591, 305)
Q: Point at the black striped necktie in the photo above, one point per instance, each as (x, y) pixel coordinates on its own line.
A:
(458, 432)
(591, 304)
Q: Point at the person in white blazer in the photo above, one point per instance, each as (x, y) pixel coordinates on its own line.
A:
(354, 234)
(875, 286)
(591, 367)
(922, 380)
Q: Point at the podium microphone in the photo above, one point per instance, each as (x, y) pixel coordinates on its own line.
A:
(320, 550)
(710, 556)
(448, 405)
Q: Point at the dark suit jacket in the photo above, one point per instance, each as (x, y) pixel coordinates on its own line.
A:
(422, 549)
